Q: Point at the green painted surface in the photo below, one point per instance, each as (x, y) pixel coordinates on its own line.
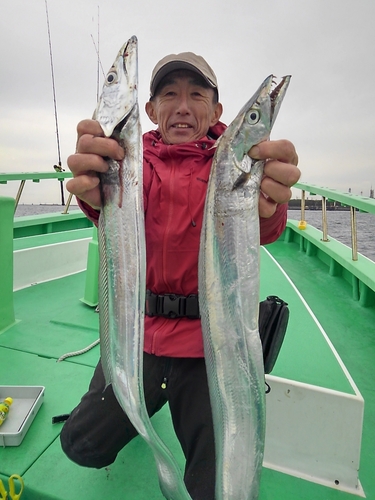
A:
(363, 268)
(33, 176)
(53, 321)
(28, 353)
(65, 383)
(361, 202)
(50, 239)
(63, 323)
(47, 472)
(305, 355)
(6, 263)
(37, 220)
(277, 486)
(91, 293)
(38, 225)
(351, 329)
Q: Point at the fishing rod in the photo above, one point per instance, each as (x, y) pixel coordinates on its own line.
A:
(58, 167)
(99, 66)
(99, 63)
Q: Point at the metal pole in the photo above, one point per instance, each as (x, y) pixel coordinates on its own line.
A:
(19, 192)
(324, 219)
(302, 223)
(303, 205)
(62, 192)
(353, 223)
(67, 204)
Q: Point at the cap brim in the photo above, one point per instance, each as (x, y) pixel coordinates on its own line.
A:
(173, 66)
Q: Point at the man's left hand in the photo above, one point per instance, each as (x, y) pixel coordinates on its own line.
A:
(280, 173)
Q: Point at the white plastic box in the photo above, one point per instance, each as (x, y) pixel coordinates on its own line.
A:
(26, 403)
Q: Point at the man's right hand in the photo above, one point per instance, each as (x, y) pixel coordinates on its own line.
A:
(88, 161)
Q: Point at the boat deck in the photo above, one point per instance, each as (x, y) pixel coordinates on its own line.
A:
(29, 350)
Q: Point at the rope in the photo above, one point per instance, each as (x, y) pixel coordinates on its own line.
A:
(77, 353)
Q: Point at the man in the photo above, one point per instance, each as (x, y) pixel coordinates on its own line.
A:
(177, 161)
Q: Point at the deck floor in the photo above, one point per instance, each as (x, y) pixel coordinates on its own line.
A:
(29, 349)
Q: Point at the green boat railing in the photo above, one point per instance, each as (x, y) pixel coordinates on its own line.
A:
(23, 227)
(354, 202)
(44, 223)
(341, 261)
(6, 177)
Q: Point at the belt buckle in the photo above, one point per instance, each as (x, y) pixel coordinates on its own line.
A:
(151, 303)
(192, 307)
(172, 305)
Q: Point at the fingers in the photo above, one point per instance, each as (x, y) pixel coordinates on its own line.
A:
(81, 163)
(89, 160)
(86, 188)
(282, 150)
(278, 192)
(99, 145)
(267, 206)
(85, 183)
(89, 127)
(275, 186)
(286, 174)
(280, 173)
(92, 143)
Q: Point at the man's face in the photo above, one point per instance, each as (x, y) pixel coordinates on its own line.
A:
(183, 109)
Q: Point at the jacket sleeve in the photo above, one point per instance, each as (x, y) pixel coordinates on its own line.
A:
(271, 229)
(90, 212)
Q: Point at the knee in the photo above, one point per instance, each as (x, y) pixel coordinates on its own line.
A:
(82, 450)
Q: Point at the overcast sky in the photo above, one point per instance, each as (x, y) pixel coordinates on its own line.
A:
(326, 45)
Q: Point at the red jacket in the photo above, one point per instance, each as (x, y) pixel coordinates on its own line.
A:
(174, 186)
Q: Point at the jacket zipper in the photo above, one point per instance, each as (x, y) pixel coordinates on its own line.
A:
(169, 223)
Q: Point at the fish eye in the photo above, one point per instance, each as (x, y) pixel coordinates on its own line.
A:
(253, 117)
(111, 77)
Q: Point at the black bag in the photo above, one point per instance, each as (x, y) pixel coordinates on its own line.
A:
(273, 322)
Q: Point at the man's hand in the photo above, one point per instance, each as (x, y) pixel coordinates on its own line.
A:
(280, 173)
(89, 160)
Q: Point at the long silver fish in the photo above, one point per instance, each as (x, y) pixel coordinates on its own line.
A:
(123, 262)
(229, 297)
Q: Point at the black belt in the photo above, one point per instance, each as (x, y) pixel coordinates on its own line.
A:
(172, 306)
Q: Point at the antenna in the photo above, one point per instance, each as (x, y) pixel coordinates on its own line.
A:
(97, 83)
(58, 167)
(99, 62)
(99, 65)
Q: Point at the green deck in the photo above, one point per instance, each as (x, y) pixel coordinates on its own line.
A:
(29, 349)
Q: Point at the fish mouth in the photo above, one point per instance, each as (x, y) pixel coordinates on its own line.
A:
(128, 50)
(116, 134)
(276, 92)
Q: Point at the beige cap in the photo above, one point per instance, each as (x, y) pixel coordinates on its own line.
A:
(185, 60)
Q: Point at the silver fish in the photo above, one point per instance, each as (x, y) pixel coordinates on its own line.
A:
(229, 297)
(123, 262)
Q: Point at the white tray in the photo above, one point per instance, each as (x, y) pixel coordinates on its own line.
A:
(26, 403)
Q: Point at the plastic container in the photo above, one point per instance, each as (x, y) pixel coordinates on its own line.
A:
(26, 403)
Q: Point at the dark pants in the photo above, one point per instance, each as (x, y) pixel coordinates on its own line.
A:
(98, 428)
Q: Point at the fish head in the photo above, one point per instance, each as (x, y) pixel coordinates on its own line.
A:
(254, 122)
(120, 89)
